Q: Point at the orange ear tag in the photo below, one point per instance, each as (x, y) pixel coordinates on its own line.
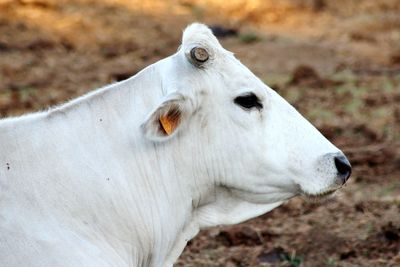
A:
(169, 123)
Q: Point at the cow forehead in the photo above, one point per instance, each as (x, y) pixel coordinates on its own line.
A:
(229, 72)
(199, 35)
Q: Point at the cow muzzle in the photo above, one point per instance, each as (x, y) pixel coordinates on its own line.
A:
(343, 167)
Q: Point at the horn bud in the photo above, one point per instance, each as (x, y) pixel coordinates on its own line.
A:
(199, 54)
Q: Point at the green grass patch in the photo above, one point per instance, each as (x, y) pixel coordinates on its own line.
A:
(331, 262)
(389, 189)
(320, 113)
(389, 85)
(276, 78)
(292, 259)
(249, 37)
(346, 76)
(293, 95)
(353, 106)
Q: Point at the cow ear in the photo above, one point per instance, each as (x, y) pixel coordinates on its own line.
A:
(167, 118)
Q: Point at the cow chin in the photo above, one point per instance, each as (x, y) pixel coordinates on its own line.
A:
(320, 196)
(268, 197)
(320, 188)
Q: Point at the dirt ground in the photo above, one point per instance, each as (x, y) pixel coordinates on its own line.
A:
(338, 62)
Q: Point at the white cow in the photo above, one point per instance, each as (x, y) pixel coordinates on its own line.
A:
(126, 175)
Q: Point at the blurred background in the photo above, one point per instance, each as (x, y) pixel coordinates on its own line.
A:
(338, 62)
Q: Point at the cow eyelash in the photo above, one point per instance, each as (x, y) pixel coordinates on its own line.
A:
(248, 101)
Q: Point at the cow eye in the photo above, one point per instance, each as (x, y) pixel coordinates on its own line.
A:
(248, 101)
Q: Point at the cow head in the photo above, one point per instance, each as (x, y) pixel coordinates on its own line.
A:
(243, 135)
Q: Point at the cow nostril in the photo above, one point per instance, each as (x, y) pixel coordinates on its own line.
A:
(343, 166)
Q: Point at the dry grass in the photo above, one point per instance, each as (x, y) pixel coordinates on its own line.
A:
(52, 50)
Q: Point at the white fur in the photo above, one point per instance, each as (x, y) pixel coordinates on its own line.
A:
(92, 183)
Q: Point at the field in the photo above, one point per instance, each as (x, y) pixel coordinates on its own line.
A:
(337, 62)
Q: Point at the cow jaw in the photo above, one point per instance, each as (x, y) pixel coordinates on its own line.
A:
(224, 207)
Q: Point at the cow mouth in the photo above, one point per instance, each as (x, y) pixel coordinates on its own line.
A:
(319, 196)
